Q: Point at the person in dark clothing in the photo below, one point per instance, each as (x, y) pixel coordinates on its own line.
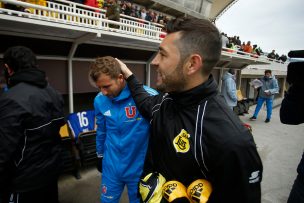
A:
(283, 58)
(31, 114)
(194, 134)
(113, 13)
(272, 55)
(292, 113)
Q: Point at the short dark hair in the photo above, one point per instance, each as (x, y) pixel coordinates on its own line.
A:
(231, 71)
(104, 65)
(19, 58)
(198, 36)
(267, 71)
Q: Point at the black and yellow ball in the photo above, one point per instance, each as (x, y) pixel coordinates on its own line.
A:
(175, 192)
(199, 191)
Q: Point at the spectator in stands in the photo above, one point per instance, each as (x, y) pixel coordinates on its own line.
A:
(283, 58)
(277, 56)
(137, 12)
(143, 13)
(128, 9)
(231, 45)
(162, 23)
(242, 46)
(113, 13)
(92, 3)
(234, 40)
(247, 48)
(160, 17)
(123, 8)
(31, 114)
(229, 88)
(241, 49)
(272, 55)
(194, 134)
(122, 133)
(266, 94)
(225, 40)
(238, 41)
(256, 50)
(100, 4)
(149, 16)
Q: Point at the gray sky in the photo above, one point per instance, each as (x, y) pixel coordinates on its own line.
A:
(271, 24)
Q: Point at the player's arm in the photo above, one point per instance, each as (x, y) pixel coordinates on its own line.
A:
(144, 101)
(100, 131)
(232, 90)
(275, 88)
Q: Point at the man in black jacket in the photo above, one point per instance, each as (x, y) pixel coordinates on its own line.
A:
(194, 133)
(31, 114)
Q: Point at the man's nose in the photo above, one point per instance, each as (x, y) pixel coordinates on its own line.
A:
(155, 61)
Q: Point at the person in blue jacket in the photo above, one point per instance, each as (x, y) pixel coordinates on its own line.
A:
(122, 133)
(229, 88)
(267, 91)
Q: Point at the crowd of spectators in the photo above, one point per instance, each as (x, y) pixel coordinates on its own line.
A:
(234, 44)
(127, 7)
(130, 9)
(133, 10)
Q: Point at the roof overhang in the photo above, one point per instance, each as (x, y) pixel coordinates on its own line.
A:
(219, 7)
(37, 28)
(237, 61)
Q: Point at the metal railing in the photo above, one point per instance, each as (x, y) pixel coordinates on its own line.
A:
(239, 53)
(71, 13)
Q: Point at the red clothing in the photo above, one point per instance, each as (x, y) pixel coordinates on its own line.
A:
(92, 3)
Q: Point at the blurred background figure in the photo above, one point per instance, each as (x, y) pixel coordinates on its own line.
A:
(229, 88)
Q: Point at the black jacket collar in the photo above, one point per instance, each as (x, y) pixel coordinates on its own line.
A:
(31, 76)
(195, 95)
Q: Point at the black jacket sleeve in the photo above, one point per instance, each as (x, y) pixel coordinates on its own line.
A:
(11, 134)
(144, 101)
(233, 161)
(292, 108)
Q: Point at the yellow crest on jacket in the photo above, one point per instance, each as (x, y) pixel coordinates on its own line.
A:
(181, 142)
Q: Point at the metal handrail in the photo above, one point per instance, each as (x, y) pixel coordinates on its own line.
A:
(248, 55)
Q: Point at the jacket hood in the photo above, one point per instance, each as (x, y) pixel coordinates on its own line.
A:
(227, 76)
(31, 76)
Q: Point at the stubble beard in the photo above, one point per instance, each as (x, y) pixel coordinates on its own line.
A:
(174, 82)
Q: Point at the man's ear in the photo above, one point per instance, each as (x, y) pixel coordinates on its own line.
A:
(121, 77)
(9, 70)
(194, 64)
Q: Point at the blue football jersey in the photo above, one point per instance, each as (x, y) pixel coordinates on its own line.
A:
(81, 122)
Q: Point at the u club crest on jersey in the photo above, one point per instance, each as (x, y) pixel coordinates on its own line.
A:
(130, 111)
(181, 142)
